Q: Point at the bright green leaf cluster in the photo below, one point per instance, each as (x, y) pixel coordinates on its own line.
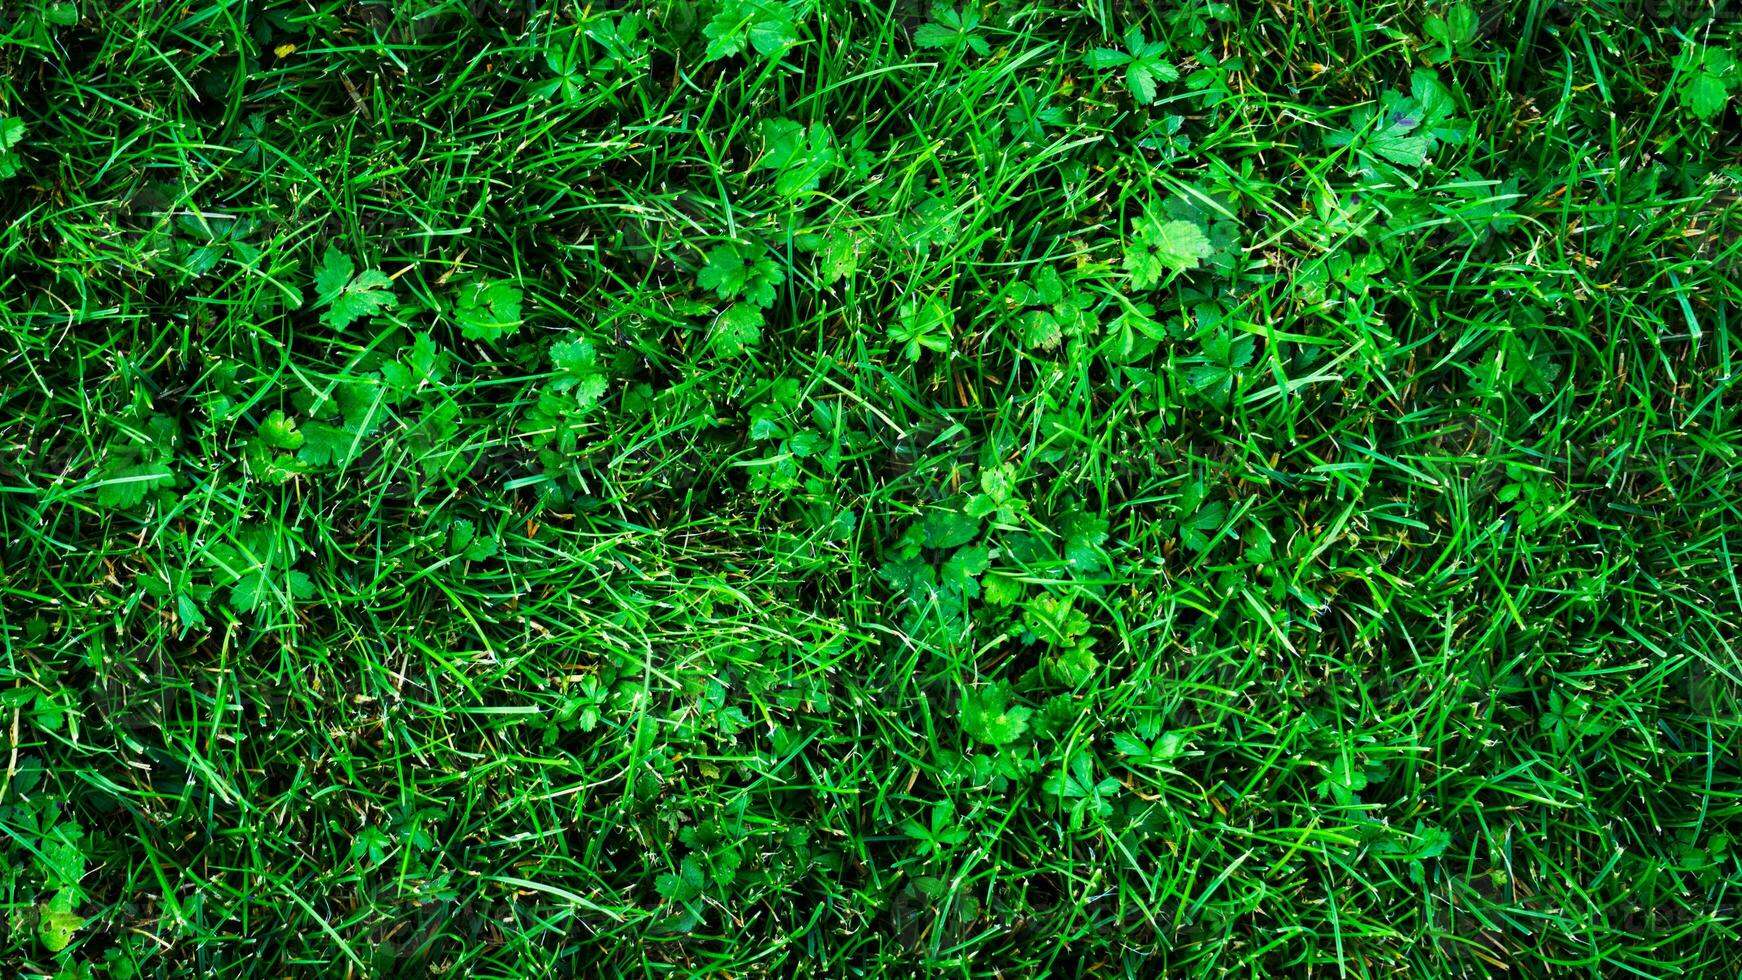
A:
(349, 295)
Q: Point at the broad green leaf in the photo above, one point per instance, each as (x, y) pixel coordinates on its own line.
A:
(840, 256)
(335, 272)
(489, 311)
(325, 444)
(62, 855)
(1128, 744)
(952, 30)
(1704, 94)
(767, 26)
(349, 297)
(800, 158)
(128, 486)
(1104, 58)
(1438, 107)
(11, 132)
(733, 271)
(1402, 147)
(1144, 62)
(61, 13)
(922, 326)
(280, 432)
(738, 329)
(949, 528)
(56, 928)
(684, 886)
(1040, 328)
(577, 370)
(989, 717)
(1162, 247)
(965, 567)
(1083, 534)
(1141, 77)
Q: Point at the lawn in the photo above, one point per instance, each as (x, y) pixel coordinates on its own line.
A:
(732, 488)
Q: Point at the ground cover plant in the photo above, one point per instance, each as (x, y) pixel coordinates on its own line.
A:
(769, 487)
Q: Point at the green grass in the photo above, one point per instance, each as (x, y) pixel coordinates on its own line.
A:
(760, 487)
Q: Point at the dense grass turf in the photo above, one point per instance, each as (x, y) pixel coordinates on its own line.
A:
(757, 486)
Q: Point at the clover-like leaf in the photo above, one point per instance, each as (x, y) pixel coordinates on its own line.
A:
(923, 325)
(684, 886)
(736, 270)
(768, 26)
(1144, 63)
(280, 432)
(56, 927)
(1709, 77)
(799, 157)
(1160, 247)
(737, 329)
(488, 311)
(952, 30)
(989, 717)
(11, 134)
(349, 295)
(127, 486)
